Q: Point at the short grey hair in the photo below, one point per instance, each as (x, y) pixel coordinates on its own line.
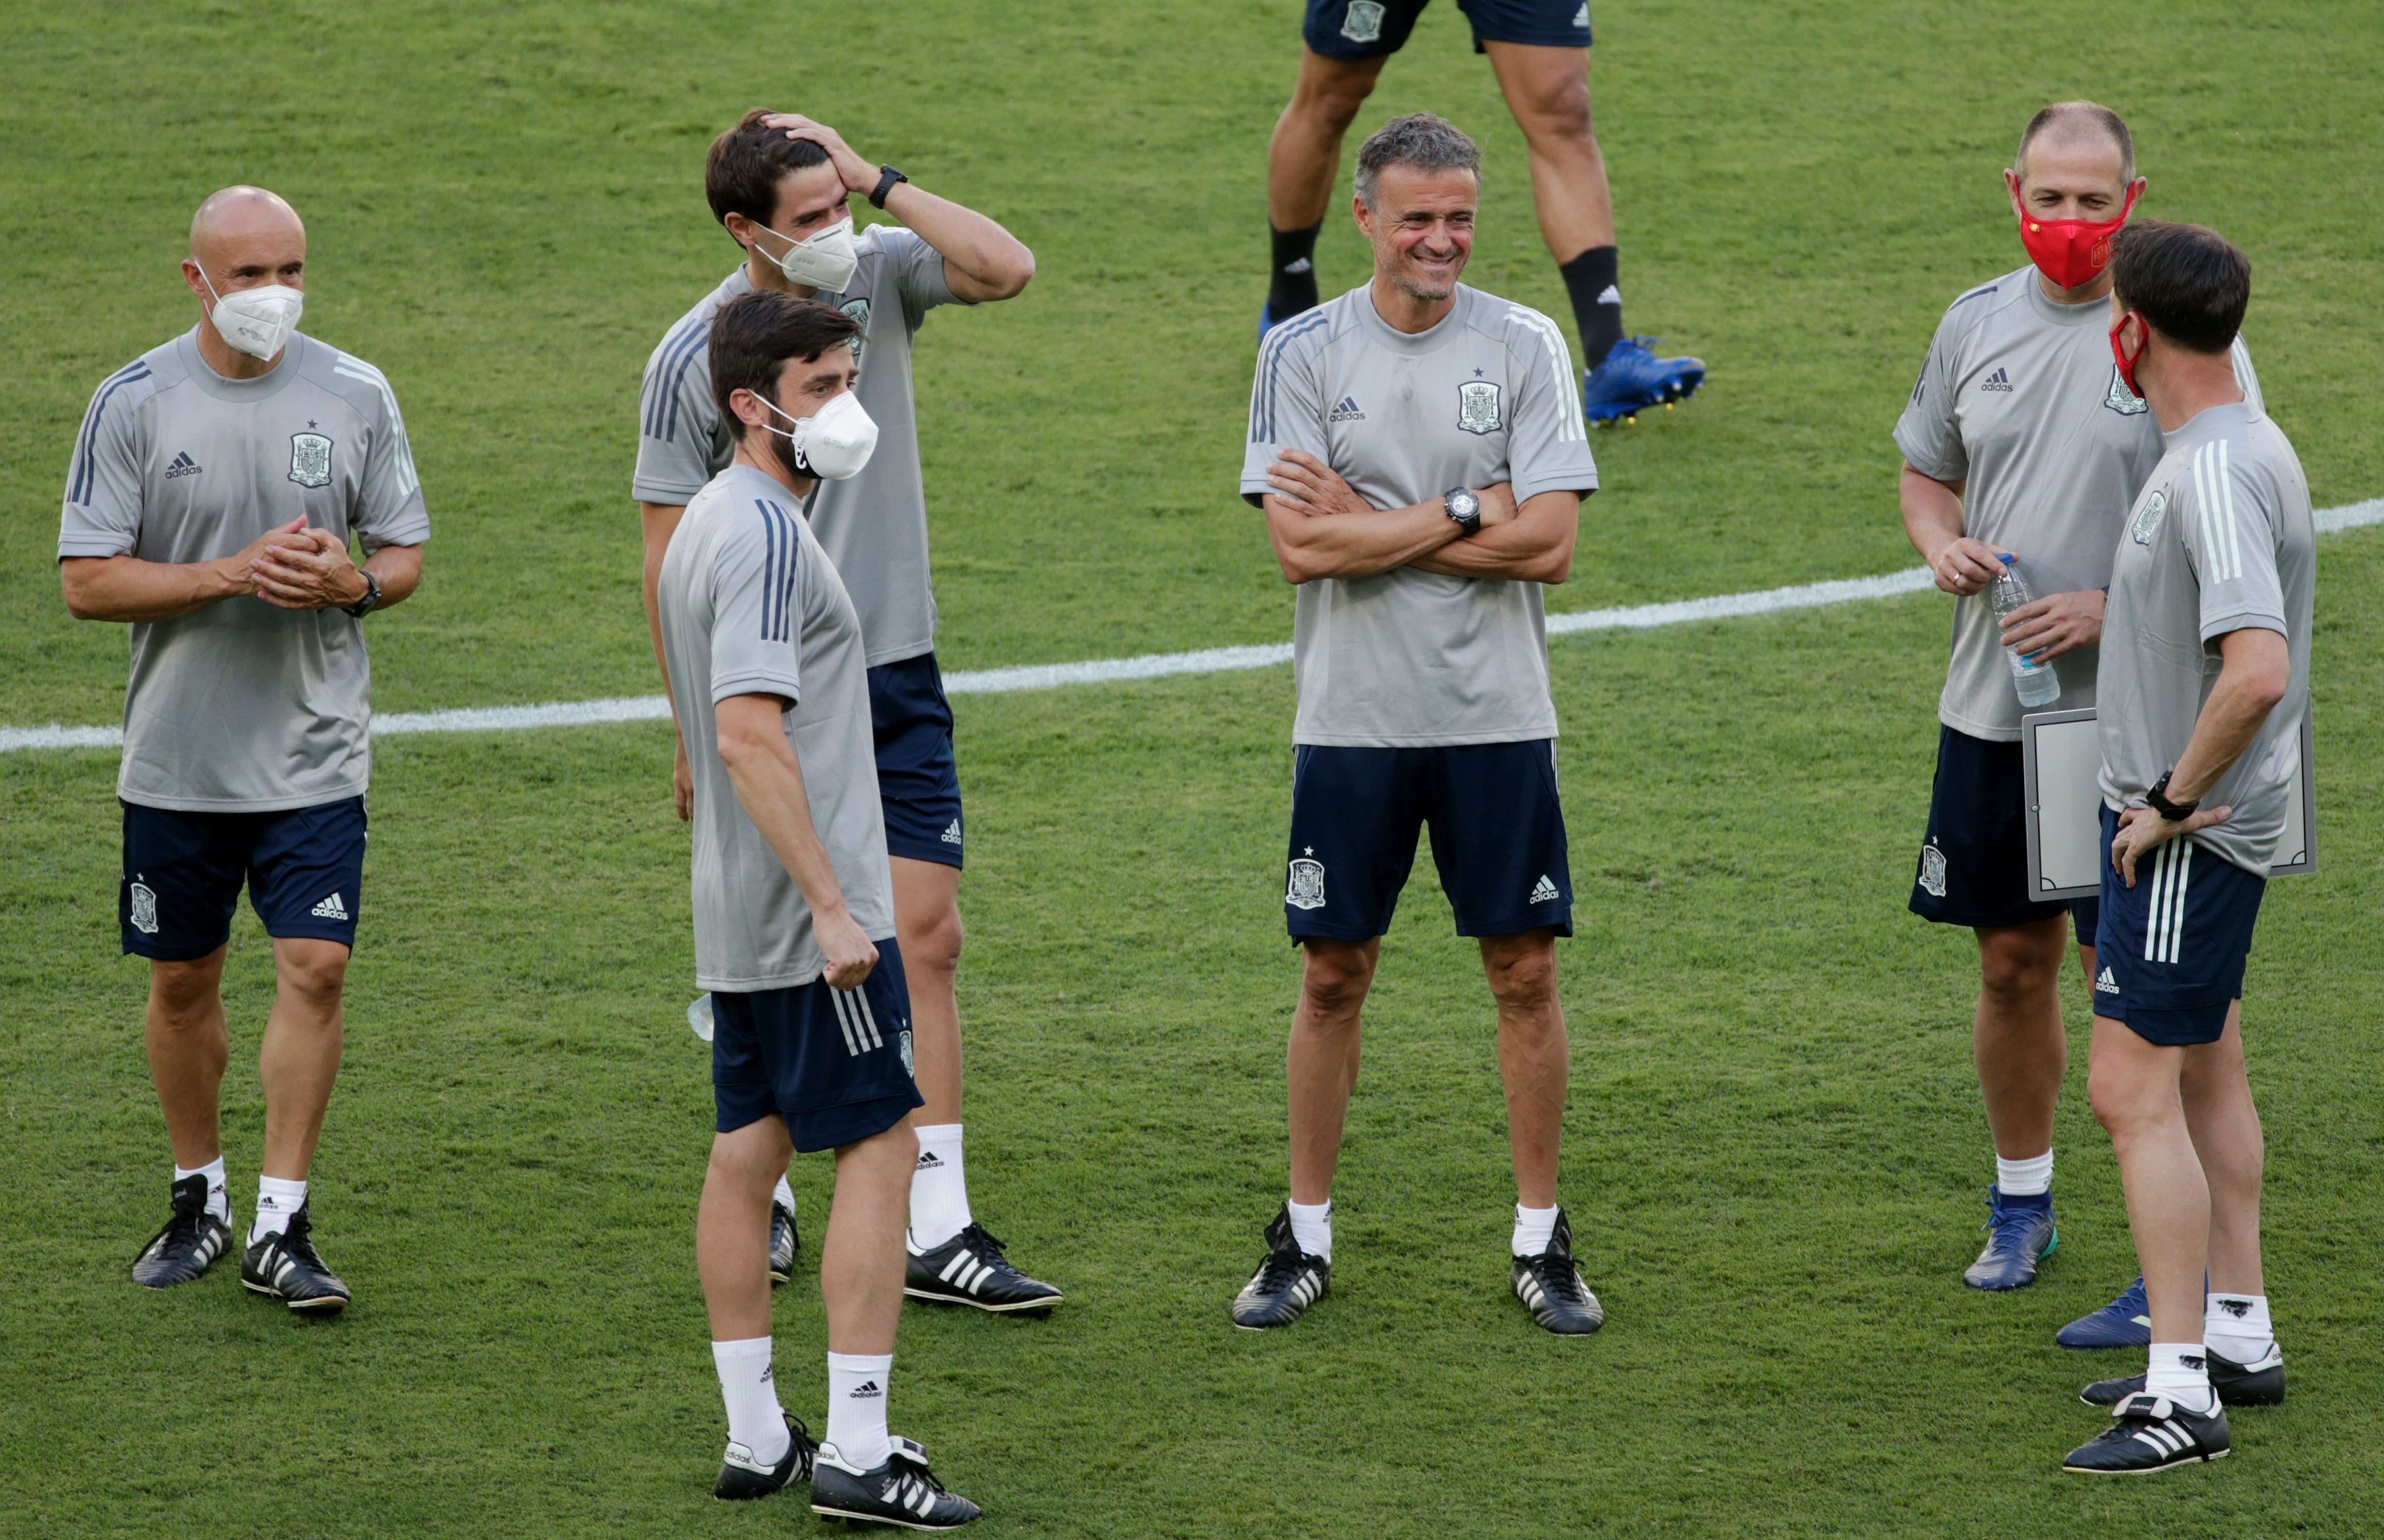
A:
(2066, 119)
(1421, 141)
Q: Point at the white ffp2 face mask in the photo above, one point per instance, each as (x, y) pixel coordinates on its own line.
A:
(826, 261)
(255, 321)
(834, 443)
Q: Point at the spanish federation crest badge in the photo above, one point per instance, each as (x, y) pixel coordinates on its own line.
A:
(1477, 406)
(859, 310)
(1306, 889)
(2121, 400)
(909, 1065)
(1363, 21)
(144, 909)
(2147, 519)
(1932, 871)
(310, 459)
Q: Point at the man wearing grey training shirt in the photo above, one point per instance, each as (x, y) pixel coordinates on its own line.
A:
(1421, 458)
(2019, 441)
(2204, 687)
(781, 185)
(214, 489)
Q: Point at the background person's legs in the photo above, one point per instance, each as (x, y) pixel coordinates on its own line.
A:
(300, 1057)
(188, 1048)
(1320, 1065)
(1547, 91)
(1303, 160)
(1533, 1058)
(2017, 1037)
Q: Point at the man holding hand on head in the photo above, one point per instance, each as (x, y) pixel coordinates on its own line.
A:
(781, 186)
(214, 489)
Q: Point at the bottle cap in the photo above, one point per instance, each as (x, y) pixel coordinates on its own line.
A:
(2005, 557)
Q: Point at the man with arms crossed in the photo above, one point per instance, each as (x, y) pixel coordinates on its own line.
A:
(1539, 50)
(2019, 439)
(1416, 449)
(2204, 687)
(794, 915)
(213, 487)
(781, 186)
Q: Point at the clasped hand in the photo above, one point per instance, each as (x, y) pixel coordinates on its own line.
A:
(295, 567)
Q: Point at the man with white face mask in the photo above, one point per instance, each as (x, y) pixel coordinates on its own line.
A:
(794, 915)
(213, 491)
(781, 186)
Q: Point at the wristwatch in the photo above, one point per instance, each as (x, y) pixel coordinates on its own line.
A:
(370, 601)
(2158, 798)
(885, 185)
(1464, 510)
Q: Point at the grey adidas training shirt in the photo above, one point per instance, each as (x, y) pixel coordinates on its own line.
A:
(1407, 658)
(242, 706)
(874, 525)
(2220, 540)
(2019, 396)
(752, 605)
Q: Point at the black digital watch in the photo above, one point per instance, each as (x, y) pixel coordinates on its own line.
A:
(370, 601)
(885, 185)
(2157, 797)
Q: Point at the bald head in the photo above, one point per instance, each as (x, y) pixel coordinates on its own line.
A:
(2078, 129)
(238, 218)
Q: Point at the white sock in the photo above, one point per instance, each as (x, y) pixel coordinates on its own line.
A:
(219, 1193)
(1534, 1229)
(1311, 1226)
(2031, 1178)
(938, 1188)
(857, 1383)
(2180, 1372)
(2235, 1326)
(784, 1196)
(276, 1202)
(750, 1393)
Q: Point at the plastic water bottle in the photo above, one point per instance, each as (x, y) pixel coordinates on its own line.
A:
(2037, 683)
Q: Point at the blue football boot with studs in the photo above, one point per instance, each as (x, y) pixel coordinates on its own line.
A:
(1632, 378)
(2126, 1322)
(2021, 1234)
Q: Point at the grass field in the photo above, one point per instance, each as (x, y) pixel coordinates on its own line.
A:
(1775, 1151)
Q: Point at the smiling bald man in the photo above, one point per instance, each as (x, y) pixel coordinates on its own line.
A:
(214, 489)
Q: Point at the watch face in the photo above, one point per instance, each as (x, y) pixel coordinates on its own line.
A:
(1464, 504)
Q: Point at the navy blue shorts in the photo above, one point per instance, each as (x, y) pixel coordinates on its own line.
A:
(182, 871)
(1974, 860)
(2170, 958)
(1498, 838)
(917, 781)
(835, 1065)
(1377, 29)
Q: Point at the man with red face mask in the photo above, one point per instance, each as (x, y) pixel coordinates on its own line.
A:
(2022, 450)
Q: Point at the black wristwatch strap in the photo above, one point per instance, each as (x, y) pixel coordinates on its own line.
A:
(369, 602)
(2157, 797)
(885, 185)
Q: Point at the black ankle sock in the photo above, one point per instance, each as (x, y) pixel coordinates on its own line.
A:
(1596, 302)
(1291, 287)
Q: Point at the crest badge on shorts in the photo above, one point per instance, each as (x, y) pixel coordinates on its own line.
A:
(144, 909)
(909, 1066)
(859, 310)
(1932, 871)
(2121, 400)
(310, 459)
(1364, 23)
(1306, 889)
(2147, 519)
(1477, 406)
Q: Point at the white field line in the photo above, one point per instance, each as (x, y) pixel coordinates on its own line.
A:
(1149, 665)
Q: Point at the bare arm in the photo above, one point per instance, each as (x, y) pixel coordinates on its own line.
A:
(982, 261)
(1535, 545)
(2255, 668)
(1932, 522)
(660, 521)
(125, 588)
(769, 783)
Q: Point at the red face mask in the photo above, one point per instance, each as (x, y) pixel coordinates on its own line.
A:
(2119, 356)
(2072, 252)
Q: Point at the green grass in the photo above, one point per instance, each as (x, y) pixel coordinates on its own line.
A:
(1774, 1148)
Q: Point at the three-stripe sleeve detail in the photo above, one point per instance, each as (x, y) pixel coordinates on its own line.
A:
(2165, 927)
(78, 486)
(679, 351)
(356, 369)
(1570, 426)
(2214, 489)
(1262, 394)
(781, 553)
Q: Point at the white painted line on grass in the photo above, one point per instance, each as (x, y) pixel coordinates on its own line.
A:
(1149, 665)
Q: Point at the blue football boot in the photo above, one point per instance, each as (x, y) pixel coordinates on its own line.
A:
(1634, 378)
(2126, 1322)
(2021, 1234)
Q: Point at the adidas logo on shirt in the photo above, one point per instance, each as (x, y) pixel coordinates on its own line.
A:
(1996, 381)
(329, 909)
(1544, 891)
(953, 834)
(866, 1389)
(182, 465)
(2105, 985)
(1347, 412)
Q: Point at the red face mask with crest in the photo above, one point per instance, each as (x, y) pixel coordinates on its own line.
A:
(2072, 252)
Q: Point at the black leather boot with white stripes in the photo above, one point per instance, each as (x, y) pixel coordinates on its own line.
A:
(2151, 1432)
